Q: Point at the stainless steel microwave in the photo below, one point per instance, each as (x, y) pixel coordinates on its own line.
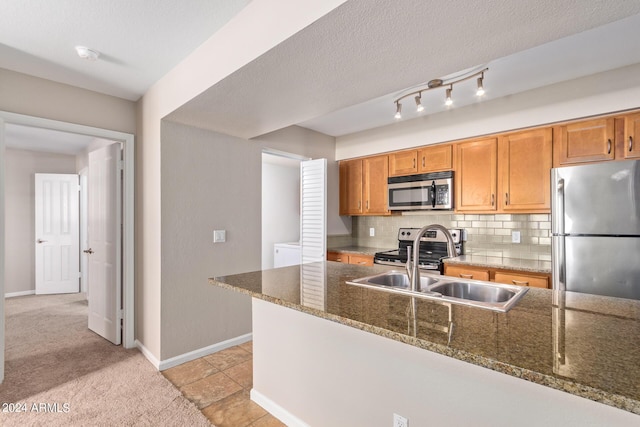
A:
(428, 191)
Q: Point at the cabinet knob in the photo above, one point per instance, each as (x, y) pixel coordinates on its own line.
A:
(466, 276)
(520, 282)
(423, 161)
(608, 146)
(493, 199)
(414, 163)
(630, 143)
(506, 198)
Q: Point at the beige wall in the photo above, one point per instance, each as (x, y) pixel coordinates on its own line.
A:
(208, 64)
(20, 169)
(37, 97)
(597, 94)
(209, 181)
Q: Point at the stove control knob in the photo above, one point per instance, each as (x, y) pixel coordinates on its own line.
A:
(402, 233)
(408, 233)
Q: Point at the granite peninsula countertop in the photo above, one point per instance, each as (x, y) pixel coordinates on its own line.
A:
(358, 250)
(582, 344)
(519, 264)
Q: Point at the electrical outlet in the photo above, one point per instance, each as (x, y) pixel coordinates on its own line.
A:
(515, 237)
(400, 421)
(372, 232)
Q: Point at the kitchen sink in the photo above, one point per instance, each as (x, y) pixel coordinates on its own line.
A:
(477, 293)
(396, 279)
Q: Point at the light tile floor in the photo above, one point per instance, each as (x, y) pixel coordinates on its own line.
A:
(219, 386)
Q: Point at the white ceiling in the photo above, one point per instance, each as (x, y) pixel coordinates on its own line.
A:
(375, 49)
(45, 140)
(340, 74)
(139, 40)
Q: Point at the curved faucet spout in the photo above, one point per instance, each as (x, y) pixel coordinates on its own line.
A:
(414, 277)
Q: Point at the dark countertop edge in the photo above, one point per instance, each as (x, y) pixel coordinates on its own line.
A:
(568, 386)
(507, 266)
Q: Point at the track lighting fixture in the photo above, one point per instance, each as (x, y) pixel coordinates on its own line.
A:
(480, 90)
(398, 110)
(419, 107)
(448, 101)
(437, 83)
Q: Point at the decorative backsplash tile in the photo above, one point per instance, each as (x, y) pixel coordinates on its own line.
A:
(486, 234)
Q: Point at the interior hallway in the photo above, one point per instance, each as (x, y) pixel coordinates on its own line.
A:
(57, 372)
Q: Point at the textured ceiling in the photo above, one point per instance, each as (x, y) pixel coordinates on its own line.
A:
(139, 40)
(367, 49)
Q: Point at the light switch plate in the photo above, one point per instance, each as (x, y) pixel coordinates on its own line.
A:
(219, 236)
(515, 237)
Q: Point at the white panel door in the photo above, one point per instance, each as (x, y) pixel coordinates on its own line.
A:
(104, 219)
(57, 234)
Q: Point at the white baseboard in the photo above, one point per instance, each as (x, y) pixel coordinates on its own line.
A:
(161, 365)
(19, 294)
(276, 410)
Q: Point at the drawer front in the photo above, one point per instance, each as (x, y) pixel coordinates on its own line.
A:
(361, 260)
(466, 273)
(337, 256)
(522, 280)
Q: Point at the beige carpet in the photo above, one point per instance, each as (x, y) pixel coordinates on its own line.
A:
(65, 375)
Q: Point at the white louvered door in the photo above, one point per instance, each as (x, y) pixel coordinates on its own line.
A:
(313, 232)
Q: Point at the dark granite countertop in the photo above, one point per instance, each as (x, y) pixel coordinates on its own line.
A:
(582, 344)
(519, 264)
(359, 250)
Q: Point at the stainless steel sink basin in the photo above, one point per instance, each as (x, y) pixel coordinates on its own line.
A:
(488, 295)
(396, 279)
(474, 291)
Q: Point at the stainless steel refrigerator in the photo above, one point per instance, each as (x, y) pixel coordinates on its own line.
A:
(596, 228)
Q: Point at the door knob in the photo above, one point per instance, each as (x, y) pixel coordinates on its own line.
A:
(88, 251)
(41, 241)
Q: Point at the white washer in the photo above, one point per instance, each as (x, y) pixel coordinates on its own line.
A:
(285, 254)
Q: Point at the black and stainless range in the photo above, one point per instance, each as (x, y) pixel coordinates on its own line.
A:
(433, 249)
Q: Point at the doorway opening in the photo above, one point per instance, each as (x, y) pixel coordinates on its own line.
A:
(99, 136)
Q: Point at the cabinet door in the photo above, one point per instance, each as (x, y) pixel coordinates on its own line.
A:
(476, 173)
(351, 187)
(435, 158)
(403, 163)
(588, 141)
(522, 280)
(465, 272)
(376, 173)
(524, 168)
(631, 136)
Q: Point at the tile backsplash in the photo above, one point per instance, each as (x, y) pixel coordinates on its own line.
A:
(486, 234)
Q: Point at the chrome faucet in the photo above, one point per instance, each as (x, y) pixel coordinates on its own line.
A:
(413, 265)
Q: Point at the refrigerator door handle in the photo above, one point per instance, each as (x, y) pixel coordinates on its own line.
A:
(557, 209)
(558, 267)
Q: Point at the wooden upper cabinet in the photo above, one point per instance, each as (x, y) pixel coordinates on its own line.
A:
(363, 186)
(587, 141)
(375, 174)
(476, 175)
(524, 169)
(435, 158)
(351, 187)
(632, 136)
(403, 163)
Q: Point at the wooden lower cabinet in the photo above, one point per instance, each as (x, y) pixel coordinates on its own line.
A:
(465, 272)
(346, 258)
(498, 275)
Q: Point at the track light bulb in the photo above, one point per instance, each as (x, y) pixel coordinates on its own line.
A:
(480, 91)
(448, 101)
(419, 107)
(398, 111)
